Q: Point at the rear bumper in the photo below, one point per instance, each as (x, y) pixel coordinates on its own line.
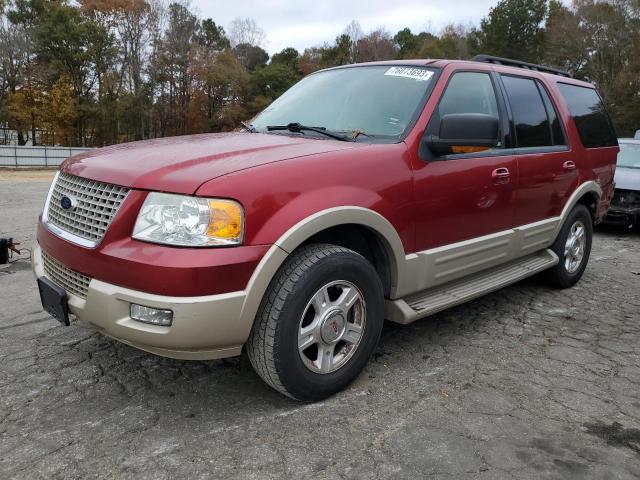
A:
(204, 327)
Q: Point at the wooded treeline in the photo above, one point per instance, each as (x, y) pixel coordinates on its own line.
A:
(98, 72)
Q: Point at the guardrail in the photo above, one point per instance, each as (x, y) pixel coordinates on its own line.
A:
(14, 156)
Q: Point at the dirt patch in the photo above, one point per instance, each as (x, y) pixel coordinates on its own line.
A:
(616, 435)
(26, 175)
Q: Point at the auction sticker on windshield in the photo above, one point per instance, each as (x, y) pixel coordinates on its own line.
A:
(409, 72)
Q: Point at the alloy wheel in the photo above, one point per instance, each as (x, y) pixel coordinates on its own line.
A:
(331, 327)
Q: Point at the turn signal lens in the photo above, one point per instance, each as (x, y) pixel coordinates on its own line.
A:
(226, 220)
(468, 149)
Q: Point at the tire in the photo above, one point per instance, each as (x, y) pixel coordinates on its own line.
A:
(293, 311)
(569, 270)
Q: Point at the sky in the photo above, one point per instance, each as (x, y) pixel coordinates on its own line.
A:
(308, 23)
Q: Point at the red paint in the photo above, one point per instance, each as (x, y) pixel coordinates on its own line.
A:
(280, 180)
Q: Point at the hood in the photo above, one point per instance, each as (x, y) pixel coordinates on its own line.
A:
(182, 164)
(627, 178)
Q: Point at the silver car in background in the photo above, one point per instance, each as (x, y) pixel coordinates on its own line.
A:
(625, 206)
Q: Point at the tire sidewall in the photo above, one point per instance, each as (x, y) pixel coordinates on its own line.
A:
(295, 376)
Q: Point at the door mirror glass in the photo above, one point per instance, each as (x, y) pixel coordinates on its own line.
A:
(464, 133)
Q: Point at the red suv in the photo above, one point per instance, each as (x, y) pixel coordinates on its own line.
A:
(387, 190)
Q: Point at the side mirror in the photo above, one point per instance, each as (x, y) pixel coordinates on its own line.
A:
(464, 133)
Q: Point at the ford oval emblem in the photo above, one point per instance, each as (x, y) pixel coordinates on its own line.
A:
(68, 203)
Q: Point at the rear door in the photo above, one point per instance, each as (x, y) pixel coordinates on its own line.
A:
(547, 173)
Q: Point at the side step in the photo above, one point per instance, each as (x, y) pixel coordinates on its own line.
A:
(428, 302)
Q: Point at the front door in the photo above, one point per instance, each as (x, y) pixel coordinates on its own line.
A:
(470, 195)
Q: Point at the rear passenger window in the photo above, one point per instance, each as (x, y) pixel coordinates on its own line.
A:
(592, 121)
(532, 125)
(556, 128)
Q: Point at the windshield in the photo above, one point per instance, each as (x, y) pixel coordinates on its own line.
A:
(375, 100)
(629, 155)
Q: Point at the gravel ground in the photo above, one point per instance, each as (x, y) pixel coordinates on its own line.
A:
(528, 382)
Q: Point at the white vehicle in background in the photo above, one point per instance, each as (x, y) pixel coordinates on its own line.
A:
(625, 206)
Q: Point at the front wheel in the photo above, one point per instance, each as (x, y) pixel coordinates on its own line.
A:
(319, 322)
(573, 247)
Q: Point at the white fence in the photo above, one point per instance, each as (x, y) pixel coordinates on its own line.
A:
(13, 156)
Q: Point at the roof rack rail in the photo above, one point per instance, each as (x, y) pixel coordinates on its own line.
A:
(517, 63)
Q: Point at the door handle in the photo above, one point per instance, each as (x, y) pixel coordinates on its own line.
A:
(500, 175)
(569, 165)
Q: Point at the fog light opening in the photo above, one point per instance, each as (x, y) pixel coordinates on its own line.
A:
(150, 315)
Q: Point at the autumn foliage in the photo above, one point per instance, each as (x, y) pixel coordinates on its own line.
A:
(99, 72)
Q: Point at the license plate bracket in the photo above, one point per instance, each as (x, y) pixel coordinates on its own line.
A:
(54, 300)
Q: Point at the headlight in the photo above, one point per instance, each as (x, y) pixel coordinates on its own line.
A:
(189, 221)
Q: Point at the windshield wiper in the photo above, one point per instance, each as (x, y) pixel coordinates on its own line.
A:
(248, 127)
(297, 128)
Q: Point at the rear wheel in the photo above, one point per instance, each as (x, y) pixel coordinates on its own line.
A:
(573, 247)
(318, 323)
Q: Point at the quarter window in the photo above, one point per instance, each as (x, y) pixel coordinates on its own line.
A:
(532, 125)
(591, 119)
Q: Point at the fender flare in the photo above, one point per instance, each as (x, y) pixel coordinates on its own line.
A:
(581, 191)
(306, 228)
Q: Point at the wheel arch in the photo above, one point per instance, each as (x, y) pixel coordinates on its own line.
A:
(340, 225)
(590, 200)
(587, 194)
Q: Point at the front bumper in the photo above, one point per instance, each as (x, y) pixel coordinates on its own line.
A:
(204, 327)
(622, 217)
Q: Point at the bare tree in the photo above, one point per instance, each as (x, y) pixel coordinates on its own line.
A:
(246, 30)
(355, 33)
(377, 45)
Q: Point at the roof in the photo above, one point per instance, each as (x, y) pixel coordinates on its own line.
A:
(442, 63)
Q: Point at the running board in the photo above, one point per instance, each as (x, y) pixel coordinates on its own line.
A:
(422, 304)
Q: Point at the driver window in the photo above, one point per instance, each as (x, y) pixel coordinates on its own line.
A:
(466, 92)
(469, 92)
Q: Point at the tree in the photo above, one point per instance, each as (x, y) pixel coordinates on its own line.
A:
(415, 46)
(251, 56)
(377, 45)
(226, 82)
(58, 113)
(406, 42)
(289, 57)
(355, 33)
(272, 80)
(513, 29)
(246, 30)
(77, 47)
(97, 72)
(339, 54)
(172, 68)
(20, 70)
(212, 36)
(600, 42)
(310, 60)
(451, 43)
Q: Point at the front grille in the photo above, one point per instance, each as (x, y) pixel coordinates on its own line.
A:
(72, 281)
(96, 205)
(626, 199)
